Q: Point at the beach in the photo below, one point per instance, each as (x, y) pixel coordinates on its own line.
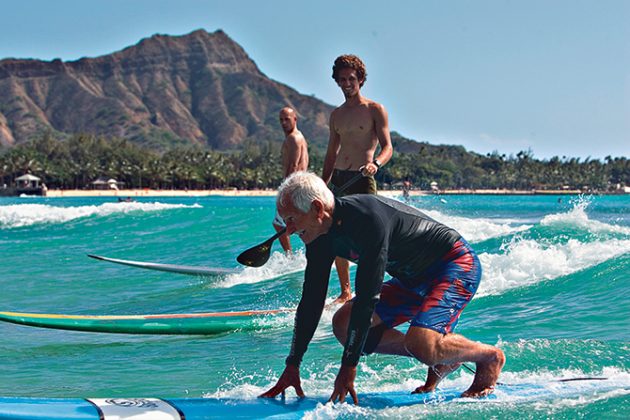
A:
(146, 192)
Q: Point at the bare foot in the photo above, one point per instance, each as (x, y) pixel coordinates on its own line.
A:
(434, 375)
(486, 377)
(423, 389)
(343, 298)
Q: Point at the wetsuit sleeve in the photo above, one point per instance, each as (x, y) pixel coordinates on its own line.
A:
(319, 262)
(368, 282)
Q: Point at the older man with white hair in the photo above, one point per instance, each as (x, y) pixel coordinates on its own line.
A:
(435, 273)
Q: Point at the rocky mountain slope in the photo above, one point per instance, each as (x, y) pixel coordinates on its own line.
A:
(200, 88)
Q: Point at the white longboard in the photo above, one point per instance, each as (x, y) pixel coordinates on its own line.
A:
(171, 268)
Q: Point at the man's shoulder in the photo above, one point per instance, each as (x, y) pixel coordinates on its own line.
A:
(375, 106)
(295, 137)
(359, 200)
(336, 110)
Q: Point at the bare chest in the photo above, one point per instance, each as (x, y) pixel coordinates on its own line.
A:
(354, 123)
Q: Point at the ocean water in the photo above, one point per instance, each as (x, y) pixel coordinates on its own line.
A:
(555, 296)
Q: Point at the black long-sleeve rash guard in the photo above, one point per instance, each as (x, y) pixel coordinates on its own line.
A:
(378, 234)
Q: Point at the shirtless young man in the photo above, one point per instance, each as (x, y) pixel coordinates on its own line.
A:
(294, 158)
(356, 128)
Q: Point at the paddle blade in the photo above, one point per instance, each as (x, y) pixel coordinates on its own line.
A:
(259, 255)
(256, 256)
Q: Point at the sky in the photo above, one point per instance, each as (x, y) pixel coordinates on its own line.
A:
(549, 77)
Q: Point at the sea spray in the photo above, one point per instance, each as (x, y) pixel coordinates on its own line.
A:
(278, 265)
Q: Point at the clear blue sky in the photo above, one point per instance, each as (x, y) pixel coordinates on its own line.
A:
(552, 76)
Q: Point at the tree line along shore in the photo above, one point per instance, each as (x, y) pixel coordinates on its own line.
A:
(74, 163)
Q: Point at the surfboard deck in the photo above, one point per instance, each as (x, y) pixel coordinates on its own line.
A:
(207, 323)
(276, 408)
(170, 268)
(193, 408)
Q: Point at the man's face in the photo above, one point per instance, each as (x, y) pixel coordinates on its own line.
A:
(288, 121)
(308, 225)
(348, 81)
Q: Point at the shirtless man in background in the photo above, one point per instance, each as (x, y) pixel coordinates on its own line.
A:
(356, 128)
(294, 159)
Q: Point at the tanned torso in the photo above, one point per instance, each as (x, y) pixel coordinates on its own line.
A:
(294, 153)
(354, 125)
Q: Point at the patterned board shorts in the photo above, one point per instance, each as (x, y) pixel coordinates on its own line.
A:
(438, 301)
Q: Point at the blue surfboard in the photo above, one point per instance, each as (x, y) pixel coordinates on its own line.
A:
(194, 408)
(258, 408)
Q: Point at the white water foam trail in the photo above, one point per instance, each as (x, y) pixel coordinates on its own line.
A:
(21, 215)
(527, 262)
(278, 265)
(532, 386)
(477, 230)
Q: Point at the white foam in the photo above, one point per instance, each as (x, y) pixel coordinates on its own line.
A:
(278, 265)
(526, 262)
(536, 386)
(477, 230)
(20, 215)
(577, 217)
(281, 320)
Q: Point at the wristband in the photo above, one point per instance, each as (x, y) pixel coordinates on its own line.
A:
(377, 163)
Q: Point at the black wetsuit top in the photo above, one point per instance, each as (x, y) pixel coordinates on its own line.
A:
(379, 234)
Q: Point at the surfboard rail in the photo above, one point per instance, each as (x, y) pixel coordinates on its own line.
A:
(207, 323)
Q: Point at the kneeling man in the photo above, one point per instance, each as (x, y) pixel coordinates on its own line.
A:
(435, 274)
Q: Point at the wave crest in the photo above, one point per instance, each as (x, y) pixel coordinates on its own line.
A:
(22, 215)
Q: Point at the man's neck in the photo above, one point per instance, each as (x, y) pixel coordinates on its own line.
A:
(353, 100)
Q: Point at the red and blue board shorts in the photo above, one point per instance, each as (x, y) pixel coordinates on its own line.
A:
(446, 288)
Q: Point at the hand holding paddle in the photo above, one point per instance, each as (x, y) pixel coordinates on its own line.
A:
(257, 256)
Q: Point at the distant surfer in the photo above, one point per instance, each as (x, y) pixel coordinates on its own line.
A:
(435, 273)
(294, 158)
(406, 188)
(357, 127)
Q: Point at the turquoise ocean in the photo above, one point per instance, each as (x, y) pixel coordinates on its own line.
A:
(555, 296)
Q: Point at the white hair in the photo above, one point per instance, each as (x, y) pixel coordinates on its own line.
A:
(301, 188)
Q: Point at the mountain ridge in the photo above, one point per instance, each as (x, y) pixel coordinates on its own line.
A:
(199, 88)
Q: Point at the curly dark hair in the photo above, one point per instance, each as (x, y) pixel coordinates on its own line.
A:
(349, 61)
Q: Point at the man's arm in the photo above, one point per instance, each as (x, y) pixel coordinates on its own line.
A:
(368, 282)
(334, 143)
(307, 317)
(381, 125)
(292, 155)
(309, 310)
